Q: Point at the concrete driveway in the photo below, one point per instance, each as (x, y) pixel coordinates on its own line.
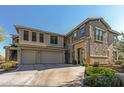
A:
(44, 75)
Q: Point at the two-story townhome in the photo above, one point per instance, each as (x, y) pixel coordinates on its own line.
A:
(92, 40)
(34, 46)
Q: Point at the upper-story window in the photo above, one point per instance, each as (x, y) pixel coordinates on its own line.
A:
(54, 40)
(82, 32)
(74, 36)
(26, 35)
(34, 36)
(99, 34)
(41, 37)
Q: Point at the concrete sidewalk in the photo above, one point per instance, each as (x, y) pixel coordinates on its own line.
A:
(44, 75)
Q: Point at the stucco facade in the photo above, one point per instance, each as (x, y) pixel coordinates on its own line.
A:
(36, 52)
(83, 46)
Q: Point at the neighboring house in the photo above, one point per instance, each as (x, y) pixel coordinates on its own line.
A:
(92, 40)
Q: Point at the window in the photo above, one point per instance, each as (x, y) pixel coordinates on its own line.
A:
(26, 35)
(41, 38)
(99, 34)
(74, 36)
(34, 36)
(53, 40)
(82, 32)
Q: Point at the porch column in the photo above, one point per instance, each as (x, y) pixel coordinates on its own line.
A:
(7, 54)
(75, 54)
(63, 57)
(19, 56)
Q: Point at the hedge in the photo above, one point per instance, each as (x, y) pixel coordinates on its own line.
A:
(102, 81)
(8, 65)
(99, 70)
(101, 77)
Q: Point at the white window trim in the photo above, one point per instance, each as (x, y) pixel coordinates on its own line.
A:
(100, 29)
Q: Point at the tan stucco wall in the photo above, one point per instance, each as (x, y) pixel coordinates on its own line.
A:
(46, 39)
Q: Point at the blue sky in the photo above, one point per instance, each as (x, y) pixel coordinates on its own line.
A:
(59, 19)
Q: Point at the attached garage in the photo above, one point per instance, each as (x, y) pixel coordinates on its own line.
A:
(39, 57)
(28, 57)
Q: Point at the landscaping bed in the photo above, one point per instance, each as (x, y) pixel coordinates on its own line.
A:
(7, 66)
(101, 77)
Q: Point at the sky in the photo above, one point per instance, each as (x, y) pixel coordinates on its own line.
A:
(58, 19)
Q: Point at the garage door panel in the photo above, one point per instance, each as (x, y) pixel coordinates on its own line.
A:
(51, 57)
(28, 57)
(39, 57)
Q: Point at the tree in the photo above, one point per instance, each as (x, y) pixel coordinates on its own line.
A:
(3, 34)
(2, 58)
(120, 45)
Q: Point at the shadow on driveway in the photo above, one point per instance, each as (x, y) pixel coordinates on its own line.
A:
(40, 67)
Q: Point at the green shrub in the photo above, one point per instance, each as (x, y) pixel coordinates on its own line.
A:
(96, 64)
(99, 70)
(74, 62)
(102, 81)
(101, 77)
(119, 62)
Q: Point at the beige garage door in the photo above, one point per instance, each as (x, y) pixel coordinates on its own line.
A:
(51, 57)
(28, 57)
